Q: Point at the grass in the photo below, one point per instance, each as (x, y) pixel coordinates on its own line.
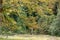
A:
(9, 39)
(12, 39)
(33, 37)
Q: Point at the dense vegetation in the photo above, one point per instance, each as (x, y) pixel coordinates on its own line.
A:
(30, 17)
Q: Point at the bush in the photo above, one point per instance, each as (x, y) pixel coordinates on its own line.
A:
(24, 16)
(55, 26)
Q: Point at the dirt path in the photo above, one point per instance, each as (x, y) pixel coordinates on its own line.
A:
(32, 37)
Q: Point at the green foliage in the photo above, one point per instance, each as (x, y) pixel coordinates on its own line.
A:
(27, 15)
(55, 26)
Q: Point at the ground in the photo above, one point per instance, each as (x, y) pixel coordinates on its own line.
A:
(29, 37)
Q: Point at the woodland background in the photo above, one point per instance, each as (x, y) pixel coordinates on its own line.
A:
(30, 17)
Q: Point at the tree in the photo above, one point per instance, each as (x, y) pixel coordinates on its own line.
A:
(55, 26)
(31, 15)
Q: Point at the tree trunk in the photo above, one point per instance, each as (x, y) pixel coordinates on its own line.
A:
(1, 5)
